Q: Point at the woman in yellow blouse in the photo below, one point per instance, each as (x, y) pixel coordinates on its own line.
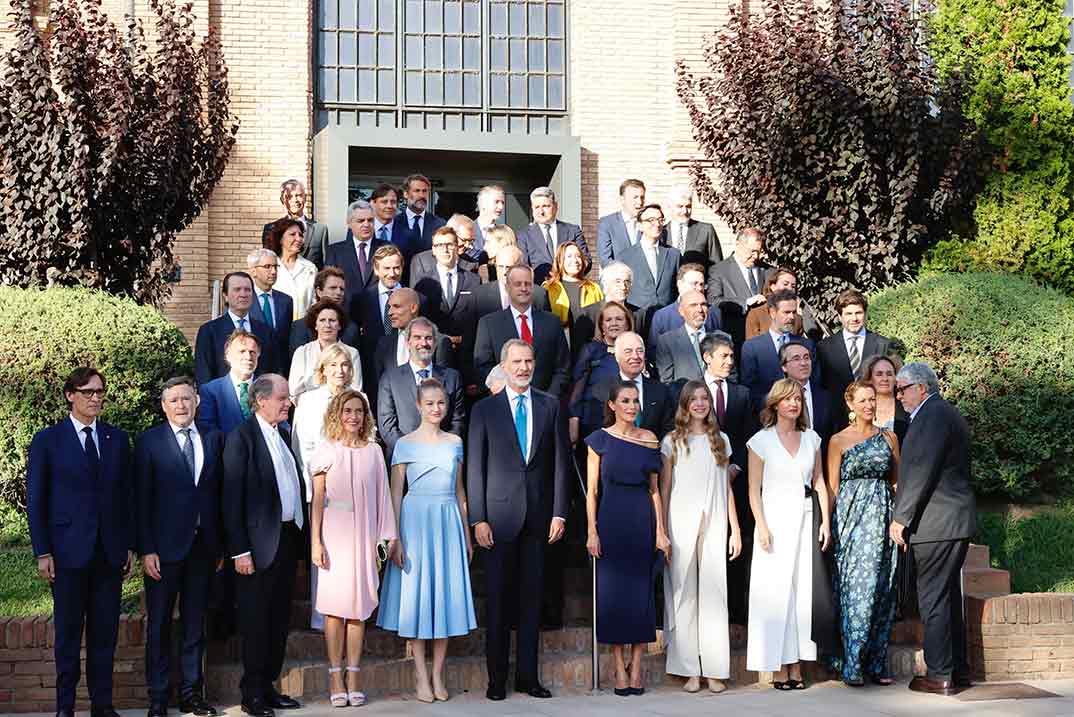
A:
(568, 289)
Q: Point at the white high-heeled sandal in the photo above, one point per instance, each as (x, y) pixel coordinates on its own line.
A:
(337, 699)
(356, 698)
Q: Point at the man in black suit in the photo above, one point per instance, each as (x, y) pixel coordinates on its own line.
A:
(355, 255)
(936, 513)
(270, 306)
(315, 234)
(209, 361)
(448, 291)
(397, 410)
(79, 506)
(796, 361)
(369, 308)
(736, 284)
(494, 296)
(329, 285)
(393, 349)
(414, 228)
(655, 266)
(696, 241)
(677, 357)
(540, 239)
(615, 281)
(177, 470)
(842, 354)
(516, 486)
(731, 403)
(657, 399)
(424, 263)
(539, 329)
(264, 513)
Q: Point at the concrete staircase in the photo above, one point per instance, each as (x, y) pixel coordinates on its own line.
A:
(979, 578)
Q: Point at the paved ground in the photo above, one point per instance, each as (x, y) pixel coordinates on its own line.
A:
(829, 699)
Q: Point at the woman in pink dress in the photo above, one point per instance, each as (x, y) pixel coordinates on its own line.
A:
(352, 514)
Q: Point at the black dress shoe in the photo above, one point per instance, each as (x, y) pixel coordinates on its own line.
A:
(108, 711)
(157, 711)
(196, 705)
(496, 693)
(279, 701)
(257, 707)
(537, 691)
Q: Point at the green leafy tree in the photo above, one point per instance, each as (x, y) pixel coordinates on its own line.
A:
(109, 147)
(825, 125)
(1015, 55)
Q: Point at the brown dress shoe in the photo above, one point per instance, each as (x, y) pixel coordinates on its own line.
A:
(933, 686)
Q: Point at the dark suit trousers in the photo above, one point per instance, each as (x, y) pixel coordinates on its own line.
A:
(738, 570)
(189, 581)
(265, 615)
(939, 594)
(87, 596)
(513, 575)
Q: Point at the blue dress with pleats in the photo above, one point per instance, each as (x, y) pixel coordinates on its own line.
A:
(430, 596)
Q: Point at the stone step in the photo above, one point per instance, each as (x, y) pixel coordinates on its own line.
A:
(986, 582)
(978, 556)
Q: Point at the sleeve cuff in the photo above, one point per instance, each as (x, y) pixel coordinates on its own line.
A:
(240, 555)
(44, 555)
(562, 520)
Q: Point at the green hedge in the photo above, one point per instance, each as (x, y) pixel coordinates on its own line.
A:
(1003, 349)
(44, 334)
(1038, 550)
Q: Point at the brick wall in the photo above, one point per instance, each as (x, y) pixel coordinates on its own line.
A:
(1021, 637)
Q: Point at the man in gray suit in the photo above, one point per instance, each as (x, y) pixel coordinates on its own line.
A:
(293, 199)
(677, 355)
(540, 240)
(696, 241)
(655, 266)
(620, 229)
(736, 284)
(936, 513)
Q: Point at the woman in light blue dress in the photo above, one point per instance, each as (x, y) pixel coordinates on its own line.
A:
(426, 591)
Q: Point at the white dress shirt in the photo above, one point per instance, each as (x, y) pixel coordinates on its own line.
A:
(283, 465)
(512, 398)
(298, 284)
(79, 426)
(236, 381)
(861, 340)
(410, 220)
(528, 313)
(360, 246)
(712, 382)
(807, 394)
(677, 236)
(637, 381)
(746, 275)
(414, 368)
(383, 293)
(649, 250)
(505, 300)
(402, 349)
(199, 452)
(551, 233)
(631, 228)
(443, 273)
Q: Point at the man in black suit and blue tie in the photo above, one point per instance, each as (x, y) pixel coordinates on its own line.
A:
(761, 366)
(619, 230)
(177, 471)
(80, 510)
(518, 501)
(414, 228)
(264, 512)
(273, 308)
(655, 266)
(354, 256)
(209, 360)
(540, 240)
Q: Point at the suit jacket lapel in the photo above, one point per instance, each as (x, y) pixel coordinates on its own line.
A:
(538, 417)
(661, 257)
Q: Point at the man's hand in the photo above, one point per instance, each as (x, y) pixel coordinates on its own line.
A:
(455, 340)
(896, 532)
(733, 472)
(129, 565)
(46, 568)
(151, 565)
(244, 565)
(756, 300)
(483, 534)
(556, 530)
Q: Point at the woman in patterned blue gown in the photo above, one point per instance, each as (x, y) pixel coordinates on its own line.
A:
(426, 592)
(863, 463)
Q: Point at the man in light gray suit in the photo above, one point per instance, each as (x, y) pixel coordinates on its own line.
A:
(736, 284)
(540, 240)
(677, 355)
(655, 266)
(620, 229)
(293, 199)
(696, 241)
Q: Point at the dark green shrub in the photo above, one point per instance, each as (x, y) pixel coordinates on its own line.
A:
(1002, 347)
(1038, 550)
(44, 334)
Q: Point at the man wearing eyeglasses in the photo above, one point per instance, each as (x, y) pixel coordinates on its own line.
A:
(654, 266)
(797, 363)
(935, 515)
(80, 510)
(271, 306)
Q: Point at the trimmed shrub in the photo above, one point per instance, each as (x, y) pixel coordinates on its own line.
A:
(44, 334)
(1037, 550)
(1002, 348)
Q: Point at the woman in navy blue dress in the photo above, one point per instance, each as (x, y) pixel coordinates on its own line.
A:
(626, 529)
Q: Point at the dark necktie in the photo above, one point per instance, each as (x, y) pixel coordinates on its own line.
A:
(753, 280)
(449, 292)
(363, 263)
(389, 330)
(423, 373)
(721, 409)
(416, 228)
(855, 357)
(92, 457)
(266, 309)
(188, 453)
(548, 240)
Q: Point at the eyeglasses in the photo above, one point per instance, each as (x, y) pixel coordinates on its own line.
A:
(900, 389)
(271, 267)
(91, 392)
(444, 245)
(798, 359)
(652, 220)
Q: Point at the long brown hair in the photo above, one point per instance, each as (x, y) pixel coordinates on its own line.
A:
(680, 435)
(333, 417)
(557, 272)
(783, 389)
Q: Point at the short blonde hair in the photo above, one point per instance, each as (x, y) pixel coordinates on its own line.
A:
(781, 391)
(503, 235)
(329, 355)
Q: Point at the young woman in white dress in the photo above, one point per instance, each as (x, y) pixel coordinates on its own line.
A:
(695, 487)
(785, 470)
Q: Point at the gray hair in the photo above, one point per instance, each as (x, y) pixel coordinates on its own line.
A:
(422, 321)
(293, 183)
(543, 192)
(355, 206)
(458, 220)
(175, 382)
(511, 343)
(257, 255)
(263, 387)
(611, 268)
(919, 372)
(623, 338)
(715, 339)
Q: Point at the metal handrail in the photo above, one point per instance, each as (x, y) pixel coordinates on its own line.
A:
(594, 647)
(215, 300)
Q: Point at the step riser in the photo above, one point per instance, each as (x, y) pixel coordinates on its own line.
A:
(986, 581)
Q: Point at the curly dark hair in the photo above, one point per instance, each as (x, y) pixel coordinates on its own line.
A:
(274, 240)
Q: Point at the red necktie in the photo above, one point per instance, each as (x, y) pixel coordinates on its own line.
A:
(526, 335)
(720, 409)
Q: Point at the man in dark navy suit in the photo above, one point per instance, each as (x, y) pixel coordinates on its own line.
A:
(415, 226)
(264, 512)
(209, 345)
(761, 366)
(80, 510)
(448, 291)
(354, 255)
(517, 496)
(177, 469)
(369, 308)
(272, 307)
(223, 401)
(540, 240)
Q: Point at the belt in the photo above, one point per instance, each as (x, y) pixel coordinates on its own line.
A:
(339, 505)
(808, 491)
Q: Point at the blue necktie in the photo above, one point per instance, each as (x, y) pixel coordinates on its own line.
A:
(383, 233)
(520, 425)
(242, 324)
(423, 373)
(266, 309)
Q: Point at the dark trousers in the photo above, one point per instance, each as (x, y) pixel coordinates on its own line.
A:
(939, 594)
(513, 574)
(87, 596)
(188, 580)
(265, 615)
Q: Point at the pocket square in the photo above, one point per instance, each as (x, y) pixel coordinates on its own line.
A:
(465, 293)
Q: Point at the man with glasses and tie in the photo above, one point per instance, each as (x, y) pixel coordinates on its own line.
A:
(448, 289)
(516, 487)
(696, 241)
(655, 266)
(354, 256)
(539, 240)
(270, 306)
(178, 481)
(677, 356)
(796, 360)
(209, 360)
(79, 506)
(842, 354)
(761, 363)
(736, 284)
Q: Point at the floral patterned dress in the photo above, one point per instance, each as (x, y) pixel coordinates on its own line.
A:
(865, 559)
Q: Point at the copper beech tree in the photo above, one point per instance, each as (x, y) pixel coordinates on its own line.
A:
(109, 145)
(825, 125)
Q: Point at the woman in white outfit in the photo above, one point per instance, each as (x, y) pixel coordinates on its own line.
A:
(296, 274)
(694, 485)
(785, 477)
(326, 320)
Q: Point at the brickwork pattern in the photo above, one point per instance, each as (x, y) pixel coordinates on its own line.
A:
(1028, 636)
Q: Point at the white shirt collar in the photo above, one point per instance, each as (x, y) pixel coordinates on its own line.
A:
(79, 425)
(377, 226)
(628, 220)
(512, 395)
(235, 380)
(176, 429)
(415, 368)
(259, 292)
(515, 313)
(624, 377)
(266, 427)
(382, 289)
(847, 334)
(916, 410)
(410, 216)
(235, 318)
